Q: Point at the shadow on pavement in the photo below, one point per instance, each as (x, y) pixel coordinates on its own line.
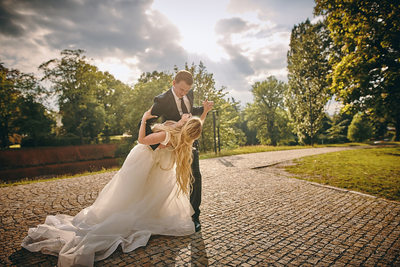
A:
(165, 250)
(23, 257)
(198, 250)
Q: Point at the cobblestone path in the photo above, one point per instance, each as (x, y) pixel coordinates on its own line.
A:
(250, 217)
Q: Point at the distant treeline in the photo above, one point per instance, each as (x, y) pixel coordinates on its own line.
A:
(352, 55)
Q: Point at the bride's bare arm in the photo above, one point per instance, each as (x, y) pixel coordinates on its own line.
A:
(151, 139)
(207, 105)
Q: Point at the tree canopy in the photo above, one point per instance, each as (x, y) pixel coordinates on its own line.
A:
(308, 68)
(228, 119)
(20, 111)
(266, 114)
(365, 74)
(89, 100)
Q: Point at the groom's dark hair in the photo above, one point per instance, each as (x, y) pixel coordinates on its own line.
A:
(184, 75)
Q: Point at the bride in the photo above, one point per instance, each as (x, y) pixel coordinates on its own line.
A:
(146, 196)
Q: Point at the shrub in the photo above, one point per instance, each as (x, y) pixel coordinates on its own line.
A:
(66, 140)
(123, 149)
(360, 128)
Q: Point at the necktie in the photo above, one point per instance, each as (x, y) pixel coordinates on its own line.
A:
(183, 106)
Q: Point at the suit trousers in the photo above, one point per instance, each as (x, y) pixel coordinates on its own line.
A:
(195, 195)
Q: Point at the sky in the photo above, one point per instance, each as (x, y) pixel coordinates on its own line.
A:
(240, 42)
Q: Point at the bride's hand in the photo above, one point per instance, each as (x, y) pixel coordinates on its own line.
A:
(185, 117)
(208, 105)
(147, 116)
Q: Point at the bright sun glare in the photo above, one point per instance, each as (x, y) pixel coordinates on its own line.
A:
(196, 21)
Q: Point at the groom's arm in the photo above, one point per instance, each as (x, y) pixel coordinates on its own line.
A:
(157, 111)
(157, 108)
(196, 111)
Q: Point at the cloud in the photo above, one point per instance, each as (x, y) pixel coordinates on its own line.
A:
(256, 49)
(231, 25)
(284, 13)
(9, 27)
(130, 37)
(257, 45)
(102, 28)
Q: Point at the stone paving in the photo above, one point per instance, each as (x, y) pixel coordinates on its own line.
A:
(250, 217)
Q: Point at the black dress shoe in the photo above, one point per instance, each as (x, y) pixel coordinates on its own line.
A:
(197, 225)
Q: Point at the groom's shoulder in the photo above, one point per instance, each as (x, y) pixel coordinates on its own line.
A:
(163, 96)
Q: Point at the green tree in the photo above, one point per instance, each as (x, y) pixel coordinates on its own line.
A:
(8, 104)
(266, 114)
(308, 67)
(35, 122)
(380, 128)
(112, 94)
(250, 134)
(76, 83)
(322, 132)
(337, 133)
(360, 128)
(229, 122)
(228, 110)
(141, 98)
(20, 112)
(365, 76)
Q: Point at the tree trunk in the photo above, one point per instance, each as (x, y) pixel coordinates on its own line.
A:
(397, 125)
(4, 134)
(271, 131)
(203, 146)
(81, 136)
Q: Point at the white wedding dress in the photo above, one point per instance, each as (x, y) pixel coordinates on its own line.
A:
(140, 200)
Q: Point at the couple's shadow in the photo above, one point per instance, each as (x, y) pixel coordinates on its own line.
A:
(160, 250)
(177, 250)
(164, 251)
(198, 254)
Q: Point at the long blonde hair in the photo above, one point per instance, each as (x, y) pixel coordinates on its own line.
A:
(181, 140)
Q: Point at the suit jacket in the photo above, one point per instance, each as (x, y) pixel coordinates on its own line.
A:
(165, 108)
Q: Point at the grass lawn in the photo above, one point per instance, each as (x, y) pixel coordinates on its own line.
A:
(236, 151)
(374, 171)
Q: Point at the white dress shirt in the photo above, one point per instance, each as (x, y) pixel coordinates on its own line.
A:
(178, 102)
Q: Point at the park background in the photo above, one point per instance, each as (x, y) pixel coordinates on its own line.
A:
(346, 56)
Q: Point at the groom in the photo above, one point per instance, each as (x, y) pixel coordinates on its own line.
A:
(171, 105)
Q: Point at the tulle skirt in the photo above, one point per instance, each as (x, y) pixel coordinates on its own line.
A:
(140, 200)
